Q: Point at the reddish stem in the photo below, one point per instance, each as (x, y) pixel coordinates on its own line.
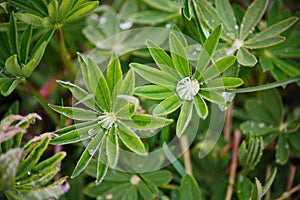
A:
(233, 164)
(228, 121)
(291, 177)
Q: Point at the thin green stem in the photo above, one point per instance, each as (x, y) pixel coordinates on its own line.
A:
(170, 187)
(43, 102)
(65, 57)
(265, 86)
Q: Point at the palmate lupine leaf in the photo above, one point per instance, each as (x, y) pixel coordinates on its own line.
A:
(113, 123)
(182, 91)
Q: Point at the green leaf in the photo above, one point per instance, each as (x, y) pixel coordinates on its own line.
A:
(96, 78)
(12, 65)
(273, 30)
(159, 178)
(257, 110)
(152, 17)
(147, 189)
(218, 67)
(226, 13)
(208, 49)
(213, 19)
(253, 153)
(257, 190)
(34, 20)
(8, 86)
(272, 101)
(212, 97)
(130, 139)
(81, 11)
(13, 37)
(34, 60)
(8, 168)
(252, 16)
(269, 182)
(81, 132)
(184, 118)
(87, 155)
(244, 187)
(41, 6)
(187, 10)
(257, 44)
(49, 163)
(155, 92)
(258, 128)
(34, 155)
(161, 58)
(25, 44)
(102, 163)
(52, 8)
(75, 113)
(123, 92)
(130, 194)
(112, 147)
(45, 38)
(244, 57)
(200, 106)
(167, 106)
(282, 150)
(155, 76)
(226, 82)
(146, 122)
(64, 9)
(80, 94)
(265, 63)
(167, 6)
(179, 56)
(189, 188)
(286, 67)
(114, 72)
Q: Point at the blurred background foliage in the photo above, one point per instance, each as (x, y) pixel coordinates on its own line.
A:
(267, 147)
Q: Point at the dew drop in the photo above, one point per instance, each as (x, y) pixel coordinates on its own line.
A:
(102, 21)
(94, 17)
(29, 173)
(286, 146)
(91, 151)
(252, 124)
(126, 25)
(236, 27)
(261, 125)
(134, 180)
(91, 132)
(168, 25)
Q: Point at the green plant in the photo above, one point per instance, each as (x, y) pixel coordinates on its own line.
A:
(152, 108)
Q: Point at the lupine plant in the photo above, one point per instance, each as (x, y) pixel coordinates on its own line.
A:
(126, 95)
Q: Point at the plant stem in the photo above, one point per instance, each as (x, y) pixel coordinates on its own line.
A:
(287, 194)
(265, 86)
(291, 177)
(170, 186)
(233, 164)
(184, 144)
(228, 121)
(42, 101)
(65, 57)
(268, 174)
